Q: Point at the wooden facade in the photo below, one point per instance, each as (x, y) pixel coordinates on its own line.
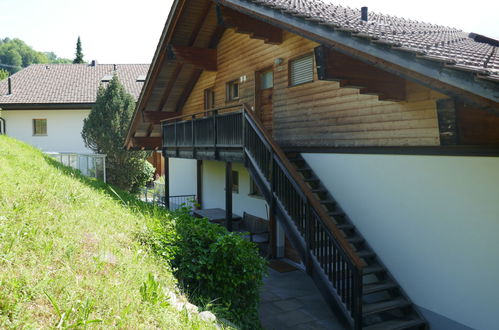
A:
(319, 113)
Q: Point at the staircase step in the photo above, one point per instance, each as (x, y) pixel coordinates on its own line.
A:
(355, 240)
(336, 214)
(396, 324)
(311, 180)
(304, 169)
(384, 306)
(327, 202)
(373, 269)
(377, 287)
(366, 254)
(319, 190)
(345, 226)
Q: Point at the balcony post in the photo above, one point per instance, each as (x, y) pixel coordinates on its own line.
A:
(228, 195)
(167, 181)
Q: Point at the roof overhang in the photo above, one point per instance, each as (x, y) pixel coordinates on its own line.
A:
(46, 106)
(461, 84)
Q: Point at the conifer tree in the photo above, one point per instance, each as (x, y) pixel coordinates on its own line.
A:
(104, 131)
(79, 54)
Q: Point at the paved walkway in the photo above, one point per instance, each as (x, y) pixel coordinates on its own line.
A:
(292, 301)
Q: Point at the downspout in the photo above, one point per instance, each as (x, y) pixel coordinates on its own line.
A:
(2, 126)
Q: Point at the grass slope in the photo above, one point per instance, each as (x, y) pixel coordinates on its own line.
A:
(68, 253)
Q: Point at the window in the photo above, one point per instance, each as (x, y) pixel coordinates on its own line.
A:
(301, 70)
(267, 80)
(254, 191)
(209, 98)
(232, 90)
(39, 126)
(235, 182)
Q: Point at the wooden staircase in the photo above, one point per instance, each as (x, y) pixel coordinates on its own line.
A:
(384, 303)
(348, 273)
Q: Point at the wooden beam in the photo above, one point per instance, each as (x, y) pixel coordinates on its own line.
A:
(203, 58)
(169, 87)
(187, 90)
(335, 66)
(155, 117)
(244, 24)
(146, 143)
(446, 111)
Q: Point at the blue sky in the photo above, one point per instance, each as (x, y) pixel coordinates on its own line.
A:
(126, 31)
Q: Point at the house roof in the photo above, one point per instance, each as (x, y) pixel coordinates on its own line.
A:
(462, 65)
(455, 48)
(63, 84)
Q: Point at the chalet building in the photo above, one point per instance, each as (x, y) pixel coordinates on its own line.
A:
(369, 142)
(45, 104)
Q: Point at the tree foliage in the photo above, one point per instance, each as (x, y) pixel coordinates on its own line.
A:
(3, 74)
(104, 132)
(15, 54)
(79, 54)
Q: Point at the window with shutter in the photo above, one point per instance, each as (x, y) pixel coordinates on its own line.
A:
(301, 70)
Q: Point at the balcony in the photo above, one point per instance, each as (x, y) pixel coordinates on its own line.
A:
(213, 135)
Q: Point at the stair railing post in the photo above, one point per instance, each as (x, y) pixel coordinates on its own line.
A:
(176, 137)
(357, 298)
(308, 239)
(243, 118)
(215, 113)
(193, 136)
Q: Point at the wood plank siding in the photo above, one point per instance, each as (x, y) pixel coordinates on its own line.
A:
(319, 113)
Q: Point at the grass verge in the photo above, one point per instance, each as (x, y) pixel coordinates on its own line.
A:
(68, 253)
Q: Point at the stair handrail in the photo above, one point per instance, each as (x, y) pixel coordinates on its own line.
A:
(354, 258)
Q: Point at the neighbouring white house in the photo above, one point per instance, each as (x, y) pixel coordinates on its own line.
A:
(45, 105)
(369, 142)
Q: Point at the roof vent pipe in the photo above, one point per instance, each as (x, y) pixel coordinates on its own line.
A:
(115, 67)
(9, 86)
(93, 63)
(363, 15)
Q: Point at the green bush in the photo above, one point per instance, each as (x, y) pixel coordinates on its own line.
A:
(214, 267)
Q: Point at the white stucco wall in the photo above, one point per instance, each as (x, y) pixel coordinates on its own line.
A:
(433, 220)
(182, 176)
(63, 129)
(214, 190)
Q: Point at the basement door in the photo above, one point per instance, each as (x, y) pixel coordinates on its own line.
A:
(264, 92)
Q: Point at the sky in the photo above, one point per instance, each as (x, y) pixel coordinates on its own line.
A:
(128, 31)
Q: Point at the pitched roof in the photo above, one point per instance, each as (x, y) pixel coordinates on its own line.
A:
(451, 46)
(68, 83)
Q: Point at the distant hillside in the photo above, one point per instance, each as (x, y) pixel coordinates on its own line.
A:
(15, 54)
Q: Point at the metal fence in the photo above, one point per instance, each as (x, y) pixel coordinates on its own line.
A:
(156, 195)
(91, 165)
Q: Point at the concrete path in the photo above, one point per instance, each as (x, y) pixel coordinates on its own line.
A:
(292, 301)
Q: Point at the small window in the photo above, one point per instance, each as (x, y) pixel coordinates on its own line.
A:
(232, 89)
(235, 182)
(209, 98)
(301, 70)
(267, 80)
(254, 191)
(39, 126)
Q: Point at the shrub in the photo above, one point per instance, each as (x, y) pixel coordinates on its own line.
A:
(214, 267)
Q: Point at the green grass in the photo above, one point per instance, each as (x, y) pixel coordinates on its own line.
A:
(69, 256)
